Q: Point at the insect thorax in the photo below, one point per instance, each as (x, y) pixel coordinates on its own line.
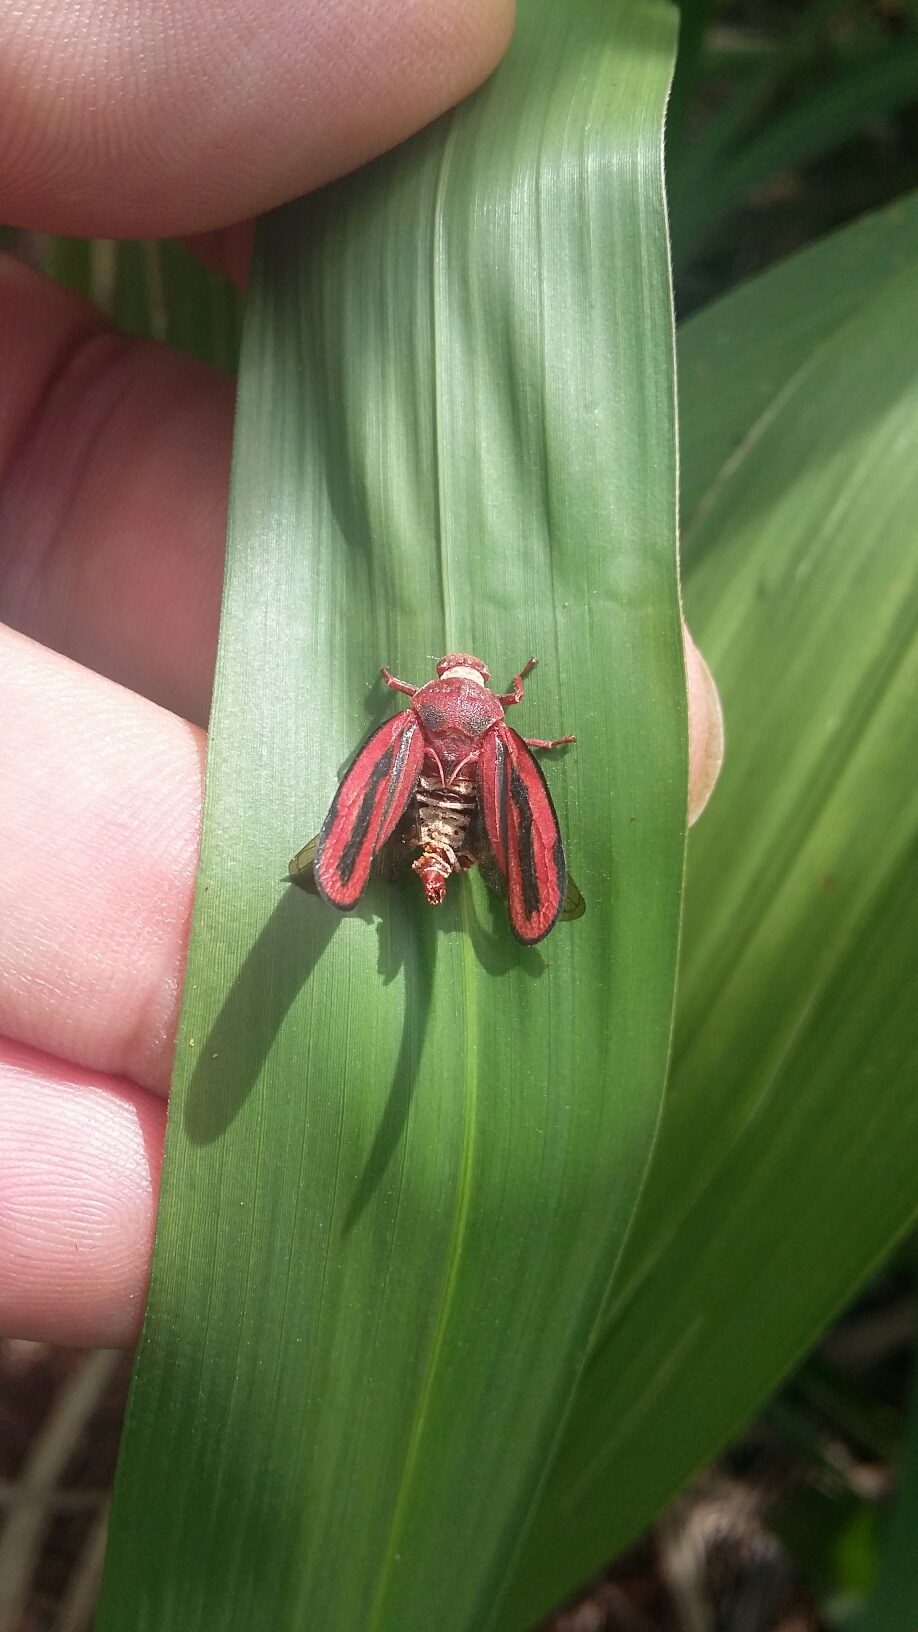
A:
(454, 714)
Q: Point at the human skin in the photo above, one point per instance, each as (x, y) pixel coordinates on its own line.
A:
(114, 470)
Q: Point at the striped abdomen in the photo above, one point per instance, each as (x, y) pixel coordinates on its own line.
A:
(441, 820)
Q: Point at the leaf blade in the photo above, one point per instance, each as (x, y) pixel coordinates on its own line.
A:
(784, 1170)
(441, 428)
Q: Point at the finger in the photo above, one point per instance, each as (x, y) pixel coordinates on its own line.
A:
(151, 120)
(706, 728)
(227, 251)
(81, 1159)
(114, 472)
(99, 834)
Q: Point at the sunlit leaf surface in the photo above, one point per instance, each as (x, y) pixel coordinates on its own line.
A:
(403, 1151)
(787, 1163)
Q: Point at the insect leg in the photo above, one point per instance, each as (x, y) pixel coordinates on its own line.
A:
(515, 694)
(398, 685)
(540, 742)
(431, 753)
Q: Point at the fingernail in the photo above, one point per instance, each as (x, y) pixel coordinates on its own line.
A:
(706, 728)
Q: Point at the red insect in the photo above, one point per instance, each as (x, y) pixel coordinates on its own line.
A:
(448, 779)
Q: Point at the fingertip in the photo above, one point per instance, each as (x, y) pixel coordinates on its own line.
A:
(230, 111)
(228, 250)
(99, 837)
(80, 1171)
(706, 728)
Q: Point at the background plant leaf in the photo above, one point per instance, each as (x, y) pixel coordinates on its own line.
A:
(154, 287)
(738, 356)
(892, 1604)
(403, 1152)
(713, 181)
(786, 1163)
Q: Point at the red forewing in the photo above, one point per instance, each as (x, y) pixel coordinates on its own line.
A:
(523, 832)
(371, 797)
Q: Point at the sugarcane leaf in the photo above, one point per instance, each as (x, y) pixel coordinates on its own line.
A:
(713, 181)
(739, 355)
(403, 1151)
(786, 1165)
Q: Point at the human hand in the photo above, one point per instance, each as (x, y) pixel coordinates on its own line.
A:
(114, 469)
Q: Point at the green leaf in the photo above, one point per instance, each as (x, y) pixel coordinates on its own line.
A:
(786, 1163)
(694, 22)
(892, 1605)
(738, 356)
(155, 288)
(810, 88)
(403, 1151)
(850, 100)
(696, 165)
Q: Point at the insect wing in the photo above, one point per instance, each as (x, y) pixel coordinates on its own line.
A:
(523, 831)
(574, 904)
(371, 797)
(301, 867)
(389, 861)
